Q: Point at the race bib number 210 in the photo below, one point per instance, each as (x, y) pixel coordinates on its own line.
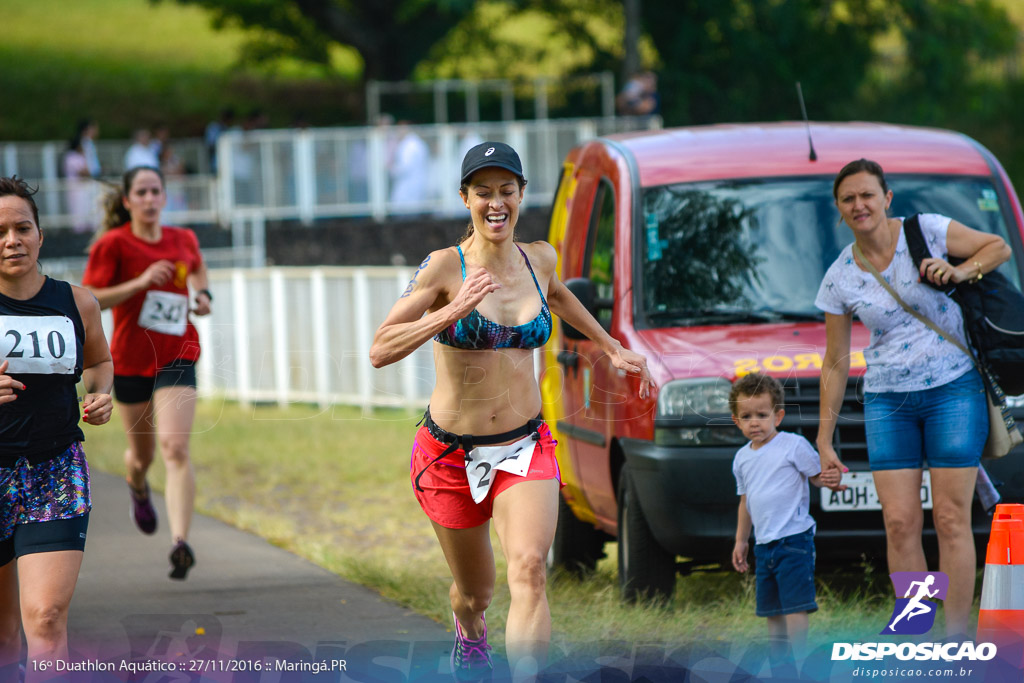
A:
(38, 345)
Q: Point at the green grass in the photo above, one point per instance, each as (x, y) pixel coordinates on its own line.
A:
(333, 486)
(132, 62)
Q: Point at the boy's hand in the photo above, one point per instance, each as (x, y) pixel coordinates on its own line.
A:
(831, 478)
(739, 556)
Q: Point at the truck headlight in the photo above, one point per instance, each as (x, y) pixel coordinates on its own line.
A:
(695, 412)
(707, 396)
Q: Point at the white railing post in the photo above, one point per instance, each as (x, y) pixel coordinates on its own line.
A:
(607, 94)
(363, 335)
(517, 136)
(408, 364)
(540, 98)
(472, 102)
(51, 199)
(440, 101)
(586, 129)
(240, 316)
(280, 358)
(268, 175)
(305, 176)
(377, 173)
(208, 357)
(372, 102)
(10, 159)
(259, 240)
(450, 164)
(226, 175)
(508, 103)
(321, 355)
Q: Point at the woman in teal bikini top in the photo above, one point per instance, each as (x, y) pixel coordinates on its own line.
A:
(486, 402)
(475, 332)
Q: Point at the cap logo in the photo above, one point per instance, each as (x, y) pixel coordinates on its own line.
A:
(489, 152)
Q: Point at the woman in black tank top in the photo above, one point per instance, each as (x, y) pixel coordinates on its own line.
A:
(50, 337)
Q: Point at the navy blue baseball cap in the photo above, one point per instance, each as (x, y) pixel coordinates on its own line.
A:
(488, 154)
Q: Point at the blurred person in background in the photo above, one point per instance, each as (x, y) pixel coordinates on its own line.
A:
(45, 496)
(639, 97)
(141, 152)
(173, 168)
(411, 171)
(89, 130)
(143, 270)
(224, 123)
(80, 191)
(487, 303)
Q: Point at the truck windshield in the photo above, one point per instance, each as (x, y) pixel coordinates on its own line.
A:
(742, 251)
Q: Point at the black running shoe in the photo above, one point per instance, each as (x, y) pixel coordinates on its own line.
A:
(142, 511)
(182, 560)
(471, 659)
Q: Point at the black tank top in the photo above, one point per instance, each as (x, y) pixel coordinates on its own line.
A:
(42, 340)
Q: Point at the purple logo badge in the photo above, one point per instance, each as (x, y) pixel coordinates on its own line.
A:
(914, 614)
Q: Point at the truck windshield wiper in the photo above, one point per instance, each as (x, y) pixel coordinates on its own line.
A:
(809, 316)
(719, 315)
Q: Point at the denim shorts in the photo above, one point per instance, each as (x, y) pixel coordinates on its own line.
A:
(784, 572)
(946, 425)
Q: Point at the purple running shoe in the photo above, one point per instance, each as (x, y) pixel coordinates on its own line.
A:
(142, 511)
(471, 659)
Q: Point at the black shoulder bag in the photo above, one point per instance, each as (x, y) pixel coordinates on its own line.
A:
(993, 311)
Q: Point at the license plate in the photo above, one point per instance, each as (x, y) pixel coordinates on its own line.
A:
(861, 495)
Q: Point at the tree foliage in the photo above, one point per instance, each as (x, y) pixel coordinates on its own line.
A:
(718, 60)
(391, 36)
(738, 60)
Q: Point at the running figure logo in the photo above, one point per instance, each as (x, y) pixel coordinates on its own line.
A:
(914, 614)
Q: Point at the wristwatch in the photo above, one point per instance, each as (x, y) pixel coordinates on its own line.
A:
(207, 293)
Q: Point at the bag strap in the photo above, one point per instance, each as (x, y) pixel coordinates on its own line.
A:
(919, 250)
(906, 307)
(915, 239)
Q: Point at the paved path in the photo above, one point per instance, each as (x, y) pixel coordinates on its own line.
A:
(243, 600)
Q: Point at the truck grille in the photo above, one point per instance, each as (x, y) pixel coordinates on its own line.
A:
(802, 401)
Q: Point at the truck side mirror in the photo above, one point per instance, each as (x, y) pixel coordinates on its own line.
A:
(584, 290)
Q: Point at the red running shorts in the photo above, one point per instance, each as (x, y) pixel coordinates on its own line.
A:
(446, 497)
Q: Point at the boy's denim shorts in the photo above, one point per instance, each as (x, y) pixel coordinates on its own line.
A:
(947, 425)
(785, 575)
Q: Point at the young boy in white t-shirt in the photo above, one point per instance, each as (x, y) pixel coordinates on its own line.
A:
(771, 473)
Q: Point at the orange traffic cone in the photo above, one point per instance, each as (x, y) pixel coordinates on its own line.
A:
(1001, 618)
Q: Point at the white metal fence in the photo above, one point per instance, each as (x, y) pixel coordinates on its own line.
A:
(303, 335)
(354, 171)
(63, 202)
(316, 172)
(41, 160)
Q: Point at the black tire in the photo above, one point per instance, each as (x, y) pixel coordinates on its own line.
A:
(577, 545)
(646, 570)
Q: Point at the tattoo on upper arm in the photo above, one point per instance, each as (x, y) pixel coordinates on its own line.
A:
(412, 282)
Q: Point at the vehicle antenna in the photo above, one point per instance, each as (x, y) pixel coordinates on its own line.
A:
(800, 94)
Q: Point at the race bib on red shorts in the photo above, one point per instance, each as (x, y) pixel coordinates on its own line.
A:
(481, 462)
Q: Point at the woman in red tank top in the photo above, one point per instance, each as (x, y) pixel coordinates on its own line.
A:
(143, 271)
